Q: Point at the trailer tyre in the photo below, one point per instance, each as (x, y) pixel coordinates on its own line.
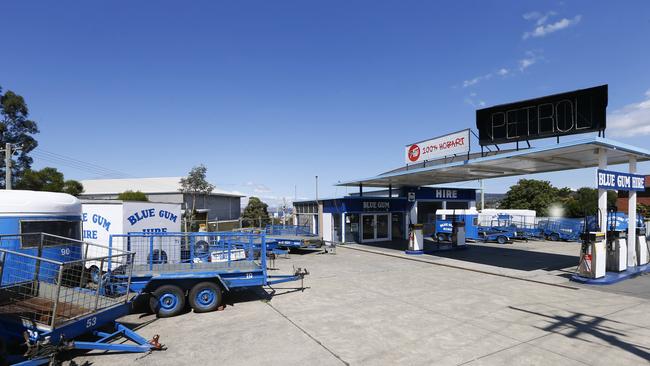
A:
(167, 301)
(205, 296)
(502, 239)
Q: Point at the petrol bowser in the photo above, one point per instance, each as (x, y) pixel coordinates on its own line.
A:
(416, 240)
(458, 233)
(616, 244)
(592, 254)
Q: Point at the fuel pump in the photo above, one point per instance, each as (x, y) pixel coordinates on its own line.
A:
(642, 245)
(458, 232)
(416, 240)
(593, 252)
(616, 245)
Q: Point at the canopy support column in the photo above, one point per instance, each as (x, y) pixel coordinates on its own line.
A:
(602, 193)
(631, 226)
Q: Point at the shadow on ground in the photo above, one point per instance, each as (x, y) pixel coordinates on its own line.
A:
(578, 325)
(498, 256)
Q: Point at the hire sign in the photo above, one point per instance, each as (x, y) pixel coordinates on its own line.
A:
(620, 181)
(448, 145)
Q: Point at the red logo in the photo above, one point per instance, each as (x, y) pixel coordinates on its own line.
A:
(414, 153)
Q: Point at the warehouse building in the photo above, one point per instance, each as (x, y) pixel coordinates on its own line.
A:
(220, 205)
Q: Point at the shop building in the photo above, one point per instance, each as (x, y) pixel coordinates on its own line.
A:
(380, 215)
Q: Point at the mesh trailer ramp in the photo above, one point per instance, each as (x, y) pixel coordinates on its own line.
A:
(197, 268)
(45, 304)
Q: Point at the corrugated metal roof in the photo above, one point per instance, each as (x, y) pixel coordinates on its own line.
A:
(144, 185)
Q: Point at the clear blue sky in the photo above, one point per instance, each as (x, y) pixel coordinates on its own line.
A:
(269, 94)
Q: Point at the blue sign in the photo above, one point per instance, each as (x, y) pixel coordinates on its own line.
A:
(442, 194)
(620, 181)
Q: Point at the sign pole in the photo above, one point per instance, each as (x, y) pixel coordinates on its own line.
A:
(602, 193)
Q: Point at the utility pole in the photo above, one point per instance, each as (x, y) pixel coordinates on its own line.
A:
(482, 196)
(8, 154)
(316, 188)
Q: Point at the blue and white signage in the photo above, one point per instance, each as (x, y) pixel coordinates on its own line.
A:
(620, 181)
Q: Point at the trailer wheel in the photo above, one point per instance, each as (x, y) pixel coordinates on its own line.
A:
(167, 301)
(205, 296)
(502, 239)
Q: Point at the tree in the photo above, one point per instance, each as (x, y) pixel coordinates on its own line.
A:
(17, 129)
(195, 184)
(132, 196)
(73, 187)
(532, 194)
(643, 209)
(584, 201)
(48, 179)
(256, 212)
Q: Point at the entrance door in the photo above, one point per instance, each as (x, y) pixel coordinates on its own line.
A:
(368, 229)
(375, 227)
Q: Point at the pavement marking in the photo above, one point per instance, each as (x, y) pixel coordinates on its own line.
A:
(308, 335)
(462, 268)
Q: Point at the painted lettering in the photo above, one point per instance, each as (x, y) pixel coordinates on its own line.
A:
(101, 222)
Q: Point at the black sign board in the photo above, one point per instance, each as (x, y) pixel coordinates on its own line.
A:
(579, 111)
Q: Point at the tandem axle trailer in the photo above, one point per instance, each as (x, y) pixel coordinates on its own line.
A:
(197, 268)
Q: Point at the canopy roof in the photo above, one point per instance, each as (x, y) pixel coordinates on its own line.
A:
(569, 155)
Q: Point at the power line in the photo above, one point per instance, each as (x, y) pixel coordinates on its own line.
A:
(78, 164)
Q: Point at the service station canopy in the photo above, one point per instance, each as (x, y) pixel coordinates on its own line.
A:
(568, 155)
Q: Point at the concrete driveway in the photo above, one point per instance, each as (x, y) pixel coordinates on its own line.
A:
(364, 308)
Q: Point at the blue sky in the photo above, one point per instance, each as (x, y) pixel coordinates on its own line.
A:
(269, 94)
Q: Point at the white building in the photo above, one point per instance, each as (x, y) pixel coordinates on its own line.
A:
(220, 205)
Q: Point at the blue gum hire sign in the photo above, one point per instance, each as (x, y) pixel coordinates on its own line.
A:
(620, 181)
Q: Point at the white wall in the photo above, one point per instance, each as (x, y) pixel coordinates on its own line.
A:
(327, 226)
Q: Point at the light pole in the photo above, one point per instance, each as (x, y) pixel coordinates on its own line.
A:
(317, 189)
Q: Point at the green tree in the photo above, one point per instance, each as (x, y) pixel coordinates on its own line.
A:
(643, 209)
(195, 184)
(532, 194)
(48, 179)
(256, 212)
(73, 187)
(16, 128)
(132, 196)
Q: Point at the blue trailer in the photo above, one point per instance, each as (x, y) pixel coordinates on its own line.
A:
(292, 237)
(46, 296)
(446, 218)
(46, 303)
(197, 268)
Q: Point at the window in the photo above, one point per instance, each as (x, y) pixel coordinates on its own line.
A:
(64, 228)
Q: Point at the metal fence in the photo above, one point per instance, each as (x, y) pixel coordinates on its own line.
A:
(170, 252)
(46, 278)
(288, 230)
